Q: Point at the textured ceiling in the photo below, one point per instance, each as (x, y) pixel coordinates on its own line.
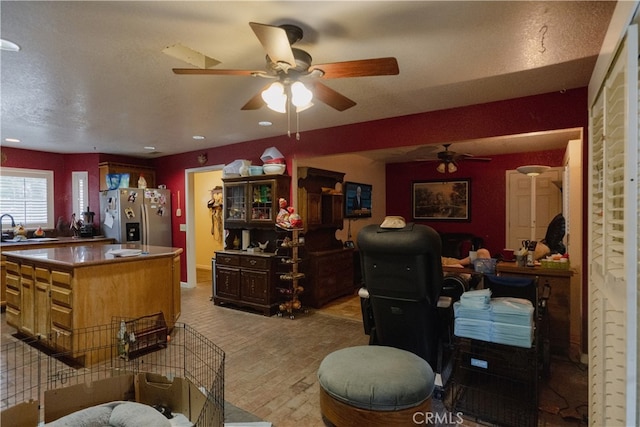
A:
(91, 76)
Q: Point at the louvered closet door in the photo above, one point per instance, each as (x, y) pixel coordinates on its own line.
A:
(613, 251)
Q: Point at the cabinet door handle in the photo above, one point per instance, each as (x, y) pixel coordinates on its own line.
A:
(252, 261)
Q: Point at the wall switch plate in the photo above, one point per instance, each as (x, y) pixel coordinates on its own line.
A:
(183, 227)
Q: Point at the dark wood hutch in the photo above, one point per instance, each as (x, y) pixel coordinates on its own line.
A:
(329, 265)
(250, 280)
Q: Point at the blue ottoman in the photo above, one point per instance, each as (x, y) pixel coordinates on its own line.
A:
(374, 386)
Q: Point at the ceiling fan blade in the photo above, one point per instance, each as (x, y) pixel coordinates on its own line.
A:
(358, 68)
(423, 153)
(331, 97)
(275, 42)
(477, 159)
(256, 102)
(217, 72)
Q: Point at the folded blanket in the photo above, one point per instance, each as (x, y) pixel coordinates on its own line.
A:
(472, 328)
(514, 311)
(509, 334)
(477, 299)
(479, 313)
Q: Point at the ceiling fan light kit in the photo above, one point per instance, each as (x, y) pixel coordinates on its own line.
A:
(291, 66)
(277, 95)
(445, 167)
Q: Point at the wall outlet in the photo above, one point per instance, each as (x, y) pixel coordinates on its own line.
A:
(183, 227)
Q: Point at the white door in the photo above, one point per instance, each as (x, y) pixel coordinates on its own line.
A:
(548, 205)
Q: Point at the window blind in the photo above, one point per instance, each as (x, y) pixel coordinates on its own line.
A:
(27, 195)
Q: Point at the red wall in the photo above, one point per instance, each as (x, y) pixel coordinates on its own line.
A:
(530, 114)
(488, 189)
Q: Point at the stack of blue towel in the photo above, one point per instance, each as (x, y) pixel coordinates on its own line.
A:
(501, 320)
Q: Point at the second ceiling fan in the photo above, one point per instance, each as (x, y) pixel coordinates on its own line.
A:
(447, 159)
(289, 65)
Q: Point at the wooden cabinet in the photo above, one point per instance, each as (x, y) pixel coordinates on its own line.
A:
(320, 203)
(53, 295)
(252, 202)
(61, 308)
(13, 294)
(328, 266)
(27, 301)
(42, 324)
(134, 172)
(330, 276)
(30, 244)
(558, 303)
(246, 280)
(332, 210)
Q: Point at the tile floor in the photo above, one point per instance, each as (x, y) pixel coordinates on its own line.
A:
(271, 362)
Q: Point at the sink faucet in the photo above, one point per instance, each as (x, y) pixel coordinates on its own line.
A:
(13, 224)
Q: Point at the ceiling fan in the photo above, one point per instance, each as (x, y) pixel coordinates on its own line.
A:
(289, 65)
(447, 159)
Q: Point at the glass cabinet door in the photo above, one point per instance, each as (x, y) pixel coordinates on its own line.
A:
(263, 206)
(235, 204)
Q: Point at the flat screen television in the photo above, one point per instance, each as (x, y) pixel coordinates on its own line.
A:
(357, 200)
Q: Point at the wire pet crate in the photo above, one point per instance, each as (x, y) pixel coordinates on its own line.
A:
(29, 370)
(494, 383)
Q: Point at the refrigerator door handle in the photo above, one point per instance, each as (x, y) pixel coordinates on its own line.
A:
(145, 224)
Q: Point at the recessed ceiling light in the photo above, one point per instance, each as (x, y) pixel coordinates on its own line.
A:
(9, 45)
(198, 137)
(149, 147)
(265, 123)
(12, 140)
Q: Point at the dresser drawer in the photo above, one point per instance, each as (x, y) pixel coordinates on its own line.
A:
(259, 263)
(13, 281)
(13, 297)
(62, 317)
(61, 296)
(13, 317)
(224, 259)
(26, 271)
(42, 275)
(12, 268)
(61, 278)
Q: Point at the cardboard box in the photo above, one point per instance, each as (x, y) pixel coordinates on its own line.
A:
(22, 414)
(152, 389)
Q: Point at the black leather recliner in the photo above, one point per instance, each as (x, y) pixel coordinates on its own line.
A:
(402, 273)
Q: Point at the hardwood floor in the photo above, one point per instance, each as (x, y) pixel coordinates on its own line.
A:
(271, 362)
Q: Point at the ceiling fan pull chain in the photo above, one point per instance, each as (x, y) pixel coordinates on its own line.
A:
(297, 126)
(289, 121)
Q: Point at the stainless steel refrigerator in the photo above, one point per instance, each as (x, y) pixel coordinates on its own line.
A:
(137, 215)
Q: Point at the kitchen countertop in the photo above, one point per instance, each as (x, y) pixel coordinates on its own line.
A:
(80, 256)
(52, 241)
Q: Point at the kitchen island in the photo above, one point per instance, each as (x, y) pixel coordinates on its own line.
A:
(38, 243)
(53, 293)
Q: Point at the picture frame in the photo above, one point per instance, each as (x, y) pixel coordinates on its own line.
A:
(443, 200)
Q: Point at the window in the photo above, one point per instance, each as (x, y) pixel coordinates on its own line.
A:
(80, 192)
(27, 195)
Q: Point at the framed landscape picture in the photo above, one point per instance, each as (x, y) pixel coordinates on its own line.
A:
(447, 200)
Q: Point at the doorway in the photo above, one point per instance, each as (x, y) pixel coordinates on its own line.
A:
(548, 204)
(204, 236)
